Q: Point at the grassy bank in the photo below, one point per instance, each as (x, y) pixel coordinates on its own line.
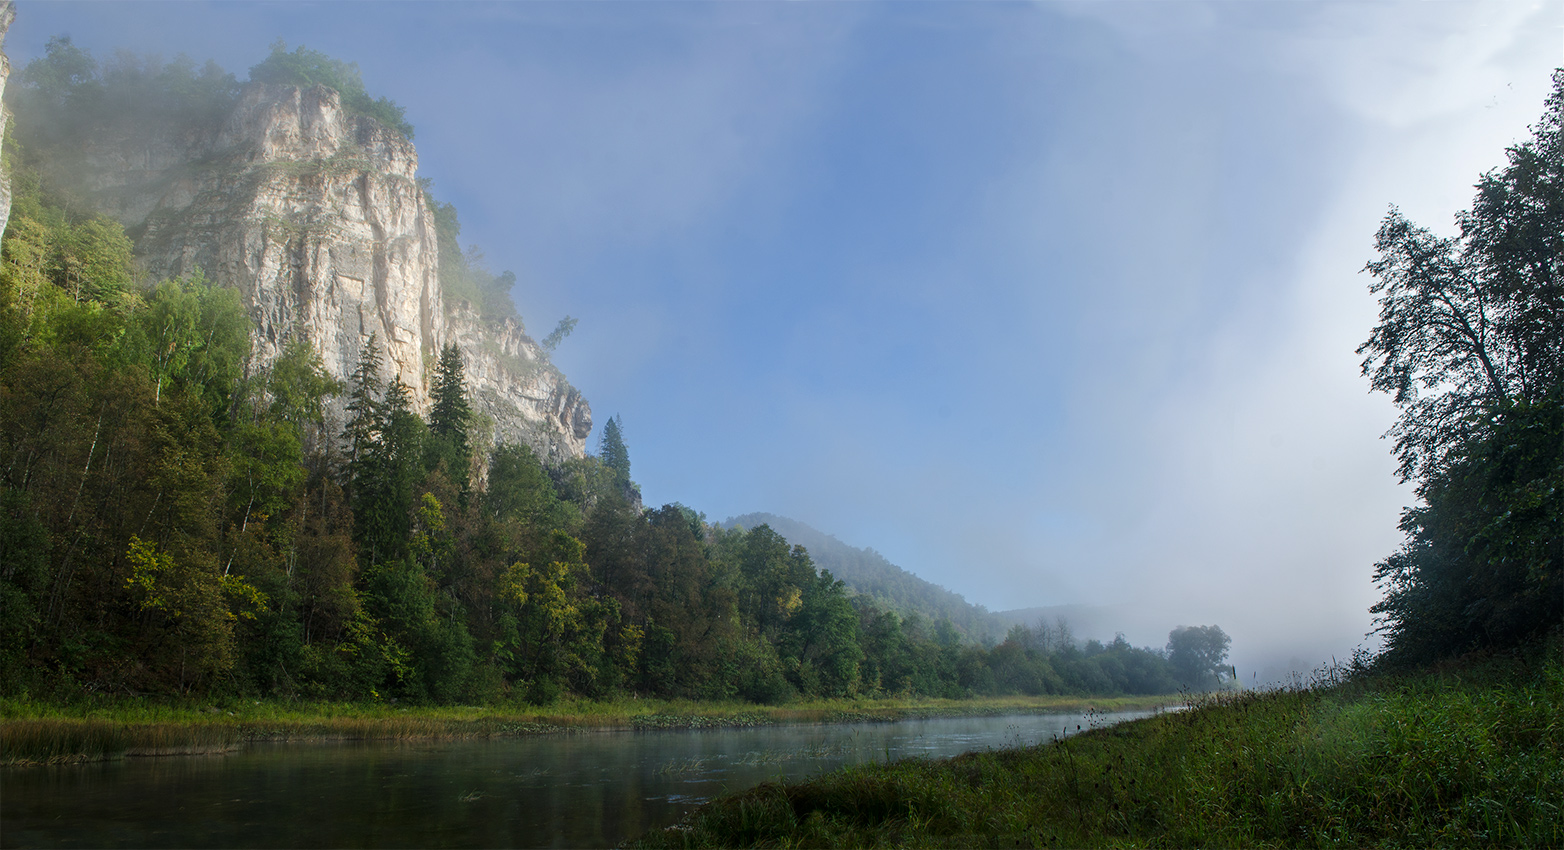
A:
(1467, 755)
(37, 733)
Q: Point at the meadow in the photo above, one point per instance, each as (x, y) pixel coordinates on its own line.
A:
(1469, 753)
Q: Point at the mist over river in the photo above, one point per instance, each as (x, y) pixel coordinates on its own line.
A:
(569, 790)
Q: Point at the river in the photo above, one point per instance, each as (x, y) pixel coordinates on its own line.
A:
(568, 790)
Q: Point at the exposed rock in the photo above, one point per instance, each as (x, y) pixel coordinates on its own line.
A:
(315, 215)
(517, 387)
(7, 15)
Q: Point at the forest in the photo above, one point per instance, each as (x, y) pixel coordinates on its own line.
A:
(175, 519)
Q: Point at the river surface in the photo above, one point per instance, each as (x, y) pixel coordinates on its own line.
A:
(592, 789)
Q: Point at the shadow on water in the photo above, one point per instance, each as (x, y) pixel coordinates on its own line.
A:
(581, 790)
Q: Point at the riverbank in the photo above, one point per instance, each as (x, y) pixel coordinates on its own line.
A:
(1470, 754)
(104, 729)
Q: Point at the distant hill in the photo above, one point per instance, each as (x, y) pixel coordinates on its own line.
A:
(867, 573)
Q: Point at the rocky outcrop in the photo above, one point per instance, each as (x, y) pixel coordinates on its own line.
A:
(7, 15)
(316, 216)
(516, 387)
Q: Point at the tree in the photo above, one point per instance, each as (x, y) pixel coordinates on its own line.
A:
(615, 458)
(450, 417)
(521, 492)
(611, 450)
(1197, 655)
(193, 336)
(1470, 345)
(363, 410)
(306, 67)
(824, 640)
(383, 491)
(297, 385)
(561, 330)
(1471, 324)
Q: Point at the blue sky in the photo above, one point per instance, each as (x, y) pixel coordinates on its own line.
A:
(1047, 302)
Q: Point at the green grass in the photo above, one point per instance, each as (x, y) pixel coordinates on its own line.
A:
(1471, 755)
(34, 732)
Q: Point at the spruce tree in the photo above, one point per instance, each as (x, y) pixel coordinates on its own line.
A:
(363, 410)
(389, 468)
(450, 415)
(612, 452)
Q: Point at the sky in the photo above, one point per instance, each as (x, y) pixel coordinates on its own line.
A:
(1048, 303)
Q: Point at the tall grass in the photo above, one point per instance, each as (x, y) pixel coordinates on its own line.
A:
(1473, 756)
(34, 732)
(56, 740)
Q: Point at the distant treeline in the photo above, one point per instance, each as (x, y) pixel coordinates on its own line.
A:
(174, 519)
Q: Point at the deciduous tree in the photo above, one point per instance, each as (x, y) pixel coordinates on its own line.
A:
(1470, 345)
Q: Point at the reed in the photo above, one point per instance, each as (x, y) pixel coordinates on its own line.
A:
(58, 740)
(34, 732)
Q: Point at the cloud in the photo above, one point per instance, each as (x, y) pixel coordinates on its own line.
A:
(1273, 497)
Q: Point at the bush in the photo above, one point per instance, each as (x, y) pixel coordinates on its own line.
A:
(306, 67)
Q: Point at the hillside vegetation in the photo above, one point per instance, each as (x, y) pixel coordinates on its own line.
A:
(179, 523)
(867, 573)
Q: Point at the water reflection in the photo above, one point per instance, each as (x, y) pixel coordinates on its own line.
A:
(583, 790)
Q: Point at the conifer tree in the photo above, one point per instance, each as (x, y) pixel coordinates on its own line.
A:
(384, 500)
(363, 407)
(612, 452)
(450, 415)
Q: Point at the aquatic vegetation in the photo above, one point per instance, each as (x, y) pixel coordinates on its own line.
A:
(684, 766)
(34, 732)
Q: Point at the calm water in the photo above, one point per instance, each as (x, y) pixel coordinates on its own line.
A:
(582, 790)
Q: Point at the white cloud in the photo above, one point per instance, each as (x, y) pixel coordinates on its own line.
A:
(1403, 64)
(1277, 499)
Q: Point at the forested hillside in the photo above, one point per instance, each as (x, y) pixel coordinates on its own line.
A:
(867, 573)
(179, 516)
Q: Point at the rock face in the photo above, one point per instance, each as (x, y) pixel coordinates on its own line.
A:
(316, 216)
(513, 383)
(7, 15)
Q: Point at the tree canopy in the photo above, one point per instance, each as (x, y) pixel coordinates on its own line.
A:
(1198, 655)
(306, 67)
(1470, 345)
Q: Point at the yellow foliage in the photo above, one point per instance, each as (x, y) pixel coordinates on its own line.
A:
(513, 584)
(241, 591)
(146, 565)
(630, 637)
(430, 527)
(790, 600)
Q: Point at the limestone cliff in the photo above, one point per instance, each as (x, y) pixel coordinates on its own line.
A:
(7, 15)
(513, 383)
(316, 216)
